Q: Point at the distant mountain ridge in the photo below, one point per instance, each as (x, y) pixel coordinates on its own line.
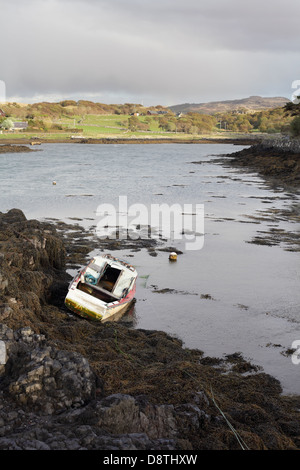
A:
(251, 104)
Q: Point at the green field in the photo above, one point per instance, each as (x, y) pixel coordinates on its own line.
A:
(95, 126)
(101, 125)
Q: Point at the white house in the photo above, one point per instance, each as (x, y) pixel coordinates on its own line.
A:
(20, 126)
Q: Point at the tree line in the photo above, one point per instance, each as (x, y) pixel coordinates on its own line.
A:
(285, 120)
(269, 121)
(292, 109)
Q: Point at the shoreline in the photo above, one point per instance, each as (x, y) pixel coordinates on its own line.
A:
(117, 140)
(276, 166)
(91, 385)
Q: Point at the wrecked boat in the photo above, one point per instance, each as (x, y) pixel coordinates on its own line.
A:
(105, 287)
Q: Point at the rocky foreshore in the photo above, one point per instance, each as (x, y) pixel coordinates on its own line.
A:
(11, 148)
(12, 144)
(69, 383)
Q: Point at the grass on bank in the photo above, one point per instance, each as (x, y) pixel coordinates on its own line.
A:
(108, 126)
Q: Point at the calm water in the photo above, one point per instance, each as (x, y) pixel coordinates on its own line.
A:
(230, 296)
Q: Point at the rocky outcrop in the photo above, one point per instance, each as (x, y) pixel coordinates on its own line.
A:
(276, 161)
(8, 148)
(43, 378)
(32, 257)
(68, 383)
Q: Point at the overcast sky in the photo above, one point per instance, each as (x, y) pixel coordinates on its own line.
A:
(148, 51)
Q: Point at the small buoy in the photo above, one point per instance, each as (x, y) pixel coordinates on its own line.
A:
(53, 182)
(173, 256)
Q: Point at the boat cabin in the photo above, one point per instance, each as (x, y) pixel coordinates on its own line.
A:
(105, 280)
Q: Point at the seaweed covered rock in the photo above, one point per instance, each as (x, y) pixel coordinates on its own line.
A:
(69, 383)
(276, 164)
(9, 148)
(32, 258)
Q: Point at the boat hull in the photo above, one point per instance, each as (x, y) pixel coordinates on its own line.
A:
(81, 305)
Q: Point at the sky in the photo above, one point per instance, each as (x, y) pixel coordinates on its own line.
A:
(150, 52)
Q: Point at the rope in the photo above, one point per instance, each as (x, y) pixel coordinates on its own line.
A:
(238, 437)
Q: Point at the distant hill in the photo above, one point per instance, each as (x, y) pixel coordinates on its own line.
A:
(248, 105)
(70, 108)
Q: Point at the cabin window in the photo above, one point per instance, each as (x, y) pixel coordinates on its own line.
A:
(109, 278)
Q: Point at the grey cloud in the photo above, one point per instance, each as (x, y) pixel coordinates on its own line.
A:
(165, 50)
